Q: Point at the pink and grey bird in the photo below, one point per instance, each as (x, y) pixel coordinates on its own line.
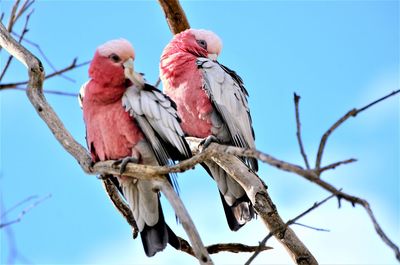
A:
(131, 121)
(212, 103)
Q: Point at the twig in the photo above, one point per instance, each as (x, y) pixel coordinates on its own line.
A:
(12, 16)
(351, 113)
(356, 200)
(313, 228)
(48, 91)
(335, 165)
(216, 248)
(377, 101)
(284, 227)
(22, 10)
(13, 252)
(157, 83)
(234, 248)
(47, 60)
(70, 67)
(25, 211)
(298, 133)
(24, 31)
(18, 204)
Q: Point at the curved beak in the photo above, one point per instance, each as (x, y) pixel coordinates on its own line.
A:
(128, 69)
(135, 78)
(213, 56)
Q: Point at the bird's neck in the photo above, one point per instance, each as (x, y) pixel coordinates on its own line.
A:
(104, 94)
(176, 63)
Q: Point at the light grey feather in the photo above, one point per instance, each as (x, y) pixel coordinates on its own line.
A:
(229, 100)
(154, 114)
(229, 188)
(140, 194)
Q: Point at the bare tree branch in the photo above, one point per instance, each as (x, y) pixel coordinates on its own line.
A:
(22, 10)
(12, 15)
(24, 31)
(43, 55)
(24, 211)
(351, 113)
(285, 227)
(174, 15)
(335, 165)
(256, 190)
(70, 67)
(298, 133)
(158, 82)
(184, 217)
(312, 227)
(125, 211)
(356, 200)
(213, 149)
(48, 91)
(218, 153)
(29, 198)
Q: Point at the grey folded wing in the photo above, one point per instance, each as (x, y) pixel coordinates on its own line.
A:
(229, 97)
(158, 119)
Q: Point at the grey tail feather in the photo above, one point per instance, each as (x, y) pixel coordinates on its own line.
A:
(155, 238)
(238, 214)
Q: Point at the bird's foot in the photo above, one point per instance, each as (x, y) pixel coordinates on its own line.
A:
(123, 162)
(207, 141)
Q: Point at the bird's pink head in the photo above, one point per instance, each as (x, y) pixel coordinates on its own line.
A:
(107, 64)
(199, 42)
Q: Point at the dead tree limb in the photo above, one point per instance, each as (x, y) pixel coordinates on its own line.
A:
(14, 16)
(215, 152)
(298, 133)
(351, 113)
(125, 211)
(285, 227)
(174, 15)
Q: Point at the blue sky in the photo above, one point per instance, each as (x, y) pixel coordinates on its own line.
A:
(336, 54)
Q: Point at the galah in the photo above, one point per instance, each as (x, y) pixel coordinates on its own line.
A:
(131, 121)
(212, 103)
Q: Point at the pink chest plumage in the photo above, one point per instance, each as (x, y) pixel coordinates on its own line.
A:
(111, 132)
(185, 86)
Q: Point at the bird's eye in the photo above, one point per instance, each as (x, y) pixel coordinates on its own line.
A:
(115, 58)
(202, 43)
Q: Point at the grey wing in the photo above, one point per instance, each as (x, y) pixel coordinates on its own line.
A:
(159, 121)
(228, 95)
